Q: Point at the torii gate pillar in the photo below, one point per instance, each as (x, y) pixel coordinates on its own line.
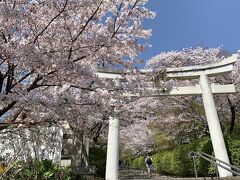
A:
(214, 126)
(206, 90)
(112, 161)
(112, 150)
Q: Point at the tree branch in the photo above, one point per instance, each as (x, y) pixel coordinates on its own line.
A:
(88, 21)
(83, 88)
(10, 75)
(7, 108)
(115, 31)
(22, 79)
(55, 17)
(1, 81)
(37, 79)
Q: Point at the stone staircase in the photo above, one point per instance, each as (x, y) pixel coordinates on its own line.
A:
(141, 174)
(131, 173)
(200, 178)
(171, 178)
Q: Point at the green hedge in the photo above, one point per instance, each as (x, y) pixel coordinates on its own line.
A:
(166, 163)
(138, 162)
(176, 162)
(233, 147)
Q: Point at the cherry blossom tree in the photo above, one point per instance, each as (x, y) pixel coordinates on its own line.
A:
(227, 105)
(178, 118)
(140, 139)
(49, 52)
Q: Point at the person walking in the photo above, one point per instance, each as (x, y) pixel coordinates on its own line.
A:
(148, 162)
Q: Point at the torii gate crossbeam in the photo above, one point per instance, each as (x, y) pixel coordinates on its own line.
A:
(201, 72)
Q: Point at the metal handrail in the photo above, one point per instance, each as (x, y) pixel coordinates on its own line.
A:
(217, 162)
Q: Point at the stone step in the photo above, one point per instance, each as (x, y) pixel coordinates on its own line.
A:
(171, 178)
(131, 177)
(200, 178)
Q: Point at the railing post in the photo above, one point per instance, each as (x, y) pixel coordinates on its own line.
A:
(194, 165)
(217, 173)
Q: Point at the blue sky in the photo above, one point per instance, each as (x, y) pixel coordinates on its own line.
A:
(189, 23)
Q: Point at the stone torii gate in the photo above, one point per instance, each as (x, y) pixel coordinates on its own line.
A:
(201, 72)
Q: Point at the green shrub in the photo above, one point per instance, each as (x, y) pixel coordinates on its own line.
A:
(97, 158)
(38, 170)
(139, 162)
(174, 162)
(205, 168)
(165, 163)
(185, 165)
(233, 147)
